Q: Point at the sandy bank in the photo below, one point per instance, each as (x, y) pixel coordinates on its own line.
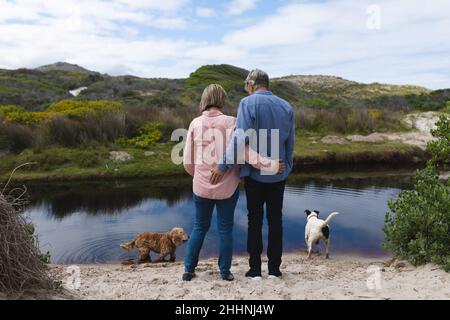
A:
(337, 278)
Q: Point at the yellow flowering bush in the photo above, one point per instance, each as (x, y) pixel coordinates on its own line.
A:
(68, 108)
(28, 118)
(82, 109)
(5, 110)
(375, 113)
(150, 134)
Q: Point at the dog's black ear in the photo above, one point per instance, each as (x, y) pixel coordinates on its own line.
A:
(317, 212)
(308, 212)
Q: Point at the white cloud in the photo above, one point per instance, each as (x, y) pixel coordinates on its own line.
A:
(206, 12)
(238, 7)
(333, 38)
(160, 14)
(299, 38)
(159, 5)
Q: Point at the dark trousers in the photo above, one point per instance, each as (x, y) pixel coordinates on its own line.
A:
(270, 194)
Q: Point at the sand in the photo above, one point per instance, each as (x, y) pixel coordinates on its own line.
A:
(338, 278)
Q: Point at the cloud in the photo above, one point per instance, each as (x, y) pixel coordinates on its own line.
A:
(153, 13)
(238, 7)
(158, 39)
(333, 38)
(206, 12)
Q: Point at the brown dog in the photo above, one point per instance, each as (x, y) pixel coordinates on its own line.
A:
(163, 243)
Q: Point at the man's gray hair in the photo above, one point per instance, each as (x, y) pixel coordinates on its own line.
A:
(258, 78)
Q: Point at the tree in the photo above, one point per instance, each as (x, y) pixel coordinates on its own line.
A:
(417, 226)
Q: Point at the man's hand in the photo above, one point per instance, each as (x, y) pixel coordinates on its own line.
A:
(216, 176)
(281, 167)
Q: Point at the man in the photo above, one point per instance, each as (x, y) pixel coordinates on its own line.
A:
(273, 120)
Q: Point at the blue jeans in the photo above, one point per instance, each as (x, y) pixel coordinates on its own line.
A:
(225, 220)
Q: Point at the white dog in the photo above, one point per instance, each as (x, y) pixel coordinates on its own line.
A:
(317, 229)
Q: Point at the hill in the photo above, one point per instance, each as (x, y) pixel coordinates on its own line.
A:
(35, 89)
(63, 66)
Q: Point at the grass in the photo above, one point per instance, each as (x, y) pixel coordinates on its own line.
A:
(84, 164)
(57, 163)
(309, 144)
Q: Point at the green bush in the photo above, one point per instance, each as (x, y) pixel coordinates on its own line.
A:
(315, 102)
(49, 159)
(417, 228)
(43, 256)
(229, 77)
(5, 110)
(440, 148)
(150, 134)
(88, 159)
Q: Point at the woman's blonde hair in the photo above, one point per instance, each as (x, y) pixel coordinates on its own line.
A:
(213, 96)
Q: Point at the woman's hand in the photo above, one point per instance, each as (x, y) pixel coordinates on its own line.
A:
(216, 176)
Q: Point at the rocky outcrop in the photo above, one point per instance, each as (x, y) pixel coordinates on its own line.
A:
(371, 138)
(421, 123)
(120, 156)
(334, 140)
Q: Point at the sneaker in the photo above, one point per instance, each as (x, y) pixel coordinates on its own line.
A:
(188, 276)
(254, 274)
(228, 277)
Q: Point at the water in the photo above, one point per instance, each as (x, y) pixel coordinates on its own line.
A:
(86, 222)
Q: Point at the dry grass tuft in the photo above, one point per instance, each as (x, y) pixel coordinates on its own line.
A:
(21, 270)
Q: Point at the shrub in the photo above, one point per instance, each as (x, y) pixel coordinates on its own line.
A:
(48, 159)
(15, 137)
(102, 128)
(82, 109)
(417, 228)
(375, 113)
(4, 110)
(360, 121)
(28, 118)
(89, 158)
(440, 148)
(347, 120)
(137, 116)
(13, 113)
(94, 130)
(315, 102)
(150, 134)
(64, 132)
(42, 256)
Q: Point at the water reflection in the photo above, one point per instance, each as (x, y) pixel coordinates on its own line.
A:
(85, 222)
(104, 198)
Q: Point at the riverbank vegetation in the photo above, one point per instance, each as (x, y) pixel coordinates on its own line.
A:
(72, 136)
(96, 162)
(418, 226)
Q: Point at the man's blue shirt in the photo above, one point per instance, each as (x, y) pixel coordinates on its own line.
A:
(263, 110)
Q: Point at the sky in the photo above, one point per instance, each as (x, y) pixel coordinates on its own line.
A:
(386, 41)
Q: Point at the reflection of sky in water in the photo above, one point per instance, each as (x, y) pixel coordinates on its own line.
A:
(83, 237)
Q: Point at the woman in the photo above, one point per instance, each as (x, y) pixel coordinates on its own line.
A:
(206, 141)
